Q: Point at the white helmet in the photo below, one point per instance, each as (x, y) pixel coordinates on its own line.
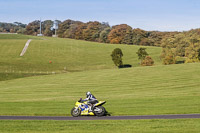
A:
(88, 93)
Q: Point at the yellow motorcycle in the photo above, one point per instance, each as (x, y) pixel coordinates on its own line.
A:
(82, 108)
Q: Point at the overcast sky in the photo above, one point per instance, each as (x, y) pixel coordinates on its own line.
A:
(162, 15)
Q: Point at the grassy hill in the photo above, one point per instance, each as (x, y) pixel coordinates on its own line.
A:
(66, 55)
(87, 66)
(170, 89)
(17, 36)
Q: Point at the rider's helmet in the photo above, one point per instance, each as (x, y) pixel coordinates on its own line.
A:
(88, 93)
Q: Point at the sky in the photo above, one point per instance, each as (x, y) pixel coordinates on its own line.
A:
(159, 15)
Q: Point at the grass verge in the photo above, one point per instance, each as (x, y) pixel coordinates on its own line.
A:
(105, 126)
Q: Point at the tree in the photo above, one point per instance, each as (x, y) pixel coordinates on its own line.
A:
(127, 39)
(48, 31)
(92, 31)
(198, 54)
(146, 42)
(65, 26)
(148, 61)
(15, 27)
(142, 53)
(168, 56)
(70, 33)
(47, 24)
(120, 34)
(21, 31)
(79, 33)
(33, 28)
(193, 53)
(20, 24)
(138, 36)
(29, 30)
(104, 35)
(117, 57)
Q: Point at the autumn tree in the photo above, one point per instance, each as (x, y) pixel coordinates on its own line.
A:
(157, 37)
(146, 42)
(138, 36)
(63, 27)
(79, 33)
(120, 34)
(92, 31)
(148, 61)
(33, 28)
(168, 56)
(193, 52)
(70, 32)
(104, 35)
(29, 30)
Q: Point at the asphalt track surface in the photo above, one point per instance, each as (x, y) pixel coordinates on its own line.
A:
(183, 116)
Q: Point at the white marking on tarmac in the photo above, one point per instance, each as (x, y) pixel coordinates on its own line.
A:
(25, 47)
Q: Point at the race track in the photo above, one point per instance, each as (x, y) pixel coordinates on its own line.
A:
(181, 116)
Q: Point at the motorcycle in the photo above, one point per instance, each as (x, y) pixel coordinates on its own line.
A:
(82, 108)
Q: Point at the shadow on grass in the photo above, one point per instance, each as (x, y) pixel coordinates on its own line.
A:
(125, 66)
(107, 113)
(180, 62)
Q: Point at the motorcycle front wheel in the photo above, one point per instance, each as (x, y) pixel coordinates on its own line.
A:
(75, 112)
(99, 111)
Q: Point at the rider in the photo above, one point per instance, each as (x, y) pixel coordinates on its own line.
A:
(91, 99)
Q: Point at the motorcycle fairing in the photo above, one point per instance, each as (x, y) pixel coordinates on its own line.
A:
(85, 108)
(100, 103)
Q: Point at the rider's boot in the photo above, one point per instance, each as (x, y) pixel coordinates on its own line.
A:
(90, 107)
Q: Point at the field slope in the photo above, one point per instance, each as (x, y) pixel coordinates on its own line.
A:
(170, 89)
(66, 55)
(87, 66)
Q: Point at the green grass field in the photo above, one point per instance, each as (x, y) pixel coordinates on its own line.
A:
(170, 89)
(17, 36)
(81, 66)
(67, 55)
(121, 126)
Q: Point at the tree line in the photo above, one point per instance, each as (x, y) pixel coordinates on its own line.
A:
(104, 33)
(91, 31)
(182, 47)
(15, 27)
(177, 47)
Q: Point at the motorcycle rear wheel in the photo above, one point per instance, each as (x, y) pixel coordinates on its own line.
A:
(75, 112)
(99, 111)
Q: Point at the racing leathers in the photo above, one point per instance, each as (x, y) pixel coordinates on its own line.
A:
(91, 100)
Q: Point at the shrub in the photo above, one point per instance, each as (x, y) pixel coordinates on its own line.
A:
(148, 61)
(169, 59)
